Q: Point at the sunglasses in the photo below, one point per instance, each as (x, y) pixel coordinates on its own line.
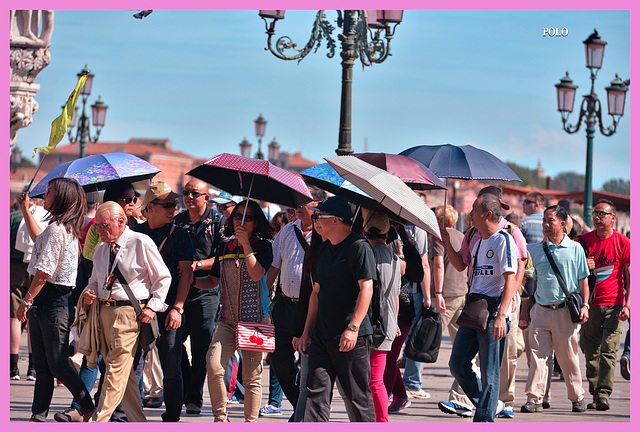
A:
(291, 211)
(170, 205)
(600, 214)
(317, 216)
(129, 200)
(224, 206)
(247, 218)
(192, 193)
(528, 202)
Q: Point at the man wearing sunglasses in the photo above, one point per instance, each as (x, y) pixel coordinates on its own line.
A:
(609, 254)
(531, 226)
(203, 224)
(176, 249)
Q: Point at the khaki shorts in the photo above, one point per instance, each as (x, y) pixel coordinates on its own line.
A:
(20, 281)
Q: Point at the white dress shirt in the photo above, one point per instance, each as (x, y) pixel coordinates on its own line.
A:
(141, 265)
(288, 256)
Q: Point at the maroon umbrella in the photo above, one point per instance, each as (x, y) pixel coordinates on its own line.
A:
(253, 178)
(413, 173)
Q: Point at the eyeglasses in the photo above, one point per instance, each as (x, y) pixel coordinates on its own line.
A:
(247, 218)
(129, 200)
(291, 211)
(600, 214)
(192, 193)
(528, 202)
(169, 205)
(101, 225)
(317, 216)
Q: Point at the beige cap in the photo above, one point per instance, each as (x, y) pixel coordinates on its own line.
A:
(378, 220)
(158, 190)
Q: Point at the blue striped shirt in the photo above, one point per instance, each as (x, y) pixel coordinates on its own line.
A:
(531, 227)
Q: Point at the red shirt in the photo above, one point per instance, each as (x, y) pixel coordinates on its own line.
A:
(611, 255)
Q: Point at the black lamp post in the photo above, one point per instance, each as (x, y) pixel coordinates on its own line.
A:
(591, 110)
(361, 38)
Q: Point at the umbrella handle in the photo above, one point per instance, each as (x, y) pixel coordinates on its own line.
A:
(248, 196)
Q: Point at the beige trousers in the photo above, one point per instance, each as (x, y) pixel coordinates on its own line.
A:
(220, 351)
(552, 330)
(152, 375)
(510, 359)
(120, 330)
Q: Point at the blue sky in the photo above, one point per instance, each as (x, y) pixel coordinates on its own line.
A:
(200, 78)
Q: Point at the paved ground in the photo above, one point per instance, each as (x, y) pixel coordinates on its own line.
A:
(436, 380)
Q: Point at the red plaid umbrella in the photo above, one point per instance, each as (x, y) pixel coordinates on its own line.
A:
(253, 178)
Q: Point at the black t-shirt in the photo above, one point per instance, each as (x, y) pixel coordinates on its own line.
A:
(338, 270)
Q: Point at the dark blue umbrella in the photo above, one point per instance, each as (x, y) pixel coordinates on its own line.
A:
(95, 172)
(461, 162)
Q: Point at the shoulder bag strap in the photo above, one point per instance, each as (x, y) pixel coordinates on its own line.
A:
(127, 289)
(163, 243)
(301, 239)
(554, 266)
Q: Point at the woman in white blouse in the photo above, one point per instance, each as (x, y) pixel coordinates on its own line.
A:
(54, 266)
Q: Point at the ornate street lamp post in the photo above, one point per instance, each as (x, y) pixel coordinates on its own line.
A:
(261, 127)
(98, 115)
(361, 38)
(591, 110)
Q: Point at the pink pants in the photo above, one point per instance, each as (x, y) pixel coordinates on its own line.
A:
(376, 384)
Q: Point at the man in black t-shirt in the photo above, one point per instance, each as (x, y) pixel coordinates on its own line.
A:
(337, 335)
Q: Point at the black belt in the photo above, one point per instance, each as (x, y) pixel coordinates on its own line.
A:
(118, 303)
(554, 306)
(292, 300)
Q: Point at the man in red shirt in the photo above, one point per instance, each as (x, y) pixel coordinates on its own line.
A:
(609, 255)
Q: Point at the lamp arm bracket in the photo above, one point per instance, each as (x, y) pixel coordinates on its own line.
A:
(377, 49)
(321, 29)
(573, 129)
(609, 130)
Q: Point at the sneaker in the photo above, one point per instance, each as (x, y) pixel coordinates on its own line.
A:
(454, 408)
(399, 404)
(235, 400)
(578, 406)
(14, 375)
(625, 367)
(31, 375)
(270, 411)
(418, 394)
(507, 412)
(193, 408)
(531, 407)
(70, 415)
(499, 408)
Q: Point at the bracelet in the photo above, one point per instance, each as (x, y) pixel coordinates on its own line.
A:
(587, 306)
(26, 303)
(438, 292)
(248, 255)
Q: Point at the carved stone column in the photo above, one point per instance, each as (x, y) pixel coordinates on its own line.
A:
(29, 42)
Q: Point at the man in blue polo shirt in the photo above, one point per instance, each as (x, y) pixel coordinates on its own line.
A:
(551, 328)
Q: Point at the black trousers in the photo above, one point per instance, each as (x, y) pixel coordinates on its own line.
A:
(283, 359)
(352, 368)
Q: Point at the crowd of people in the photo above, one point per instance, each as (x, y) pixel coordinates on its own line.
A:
(342, 288)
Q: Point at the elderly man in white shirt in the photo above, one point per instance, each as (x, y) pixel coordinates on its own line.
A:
(139, 261)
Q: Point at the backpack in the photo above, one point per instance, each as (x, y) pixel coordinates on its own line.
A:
(423, 344)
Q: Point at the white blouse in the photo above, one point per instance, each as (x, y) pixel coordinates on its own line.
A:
(55, 253)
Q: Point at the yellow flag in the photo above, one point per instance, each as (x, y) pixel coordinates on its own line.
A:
(60, 125)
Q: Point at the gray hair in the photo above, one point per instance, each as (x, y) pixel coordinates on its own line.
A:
(113, 208)
(491, 203)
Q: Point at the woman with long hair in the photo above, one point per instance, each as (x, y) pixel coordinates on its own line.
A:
(54, 266)
(240, 268)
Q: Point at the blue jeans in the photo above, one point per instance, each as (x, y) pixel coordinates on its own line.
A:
(483, 391)
(626, 351)
(49, 334)
(88, 376)
(412, 377)
(275, 391)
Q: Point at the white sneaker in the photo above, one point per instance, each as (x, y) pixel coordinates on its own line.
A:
(499, 408)
(418, 394)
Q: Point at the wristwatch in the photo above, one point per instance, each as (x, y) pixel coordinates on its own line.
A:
(353, 327)
(179, 309)
(199, 265)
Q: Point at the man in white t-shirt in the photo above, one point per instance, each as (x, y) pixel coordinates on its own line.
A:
(495, 262)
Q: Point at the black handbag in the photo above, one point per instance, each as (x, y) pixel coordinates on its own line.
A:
(574, 301)
(423, 344)
(149, 332)
(592, 278)
(477, 311)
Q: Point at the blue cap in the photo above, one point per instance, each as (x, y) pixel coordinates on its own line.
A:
(336, 206)
(225, 198)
